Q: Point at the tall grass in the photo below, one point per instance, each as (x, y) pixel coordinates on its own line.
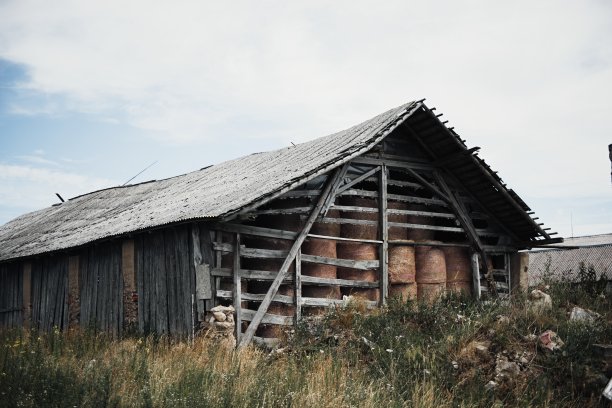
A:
(406, 354)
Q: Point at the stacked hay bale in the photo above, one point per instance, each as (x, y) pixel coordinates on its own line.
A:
(359, 251)
(326, 248)
(402, 267)
(416, 234)
(458, 270)
(430, 273)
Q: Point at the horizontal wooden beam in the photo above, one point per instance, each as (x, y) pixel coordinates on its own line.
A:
(344, 263)
(268, 318)
(249, 274)
(402, 242)
(348, 283)
(393, 163)
(255, 297)
(262, 253)
(255, 231)
(395, 197)
(341, 239)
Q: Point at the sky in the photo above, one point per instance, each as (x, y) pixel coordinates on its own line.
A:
(91, 93)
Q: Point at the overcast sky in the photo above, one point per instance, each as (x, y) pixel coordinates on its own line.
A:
(93, 92)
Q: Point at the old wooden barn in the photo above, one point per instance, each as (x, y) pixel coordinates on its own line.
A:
(395, 206)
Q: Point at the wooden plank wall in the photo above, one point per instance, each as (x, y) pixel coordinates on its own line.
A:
(11, 295)
(165, 277)
(50, 293)
(102, 288)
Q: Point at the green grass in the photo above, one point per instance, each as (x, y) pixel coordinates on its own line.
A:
(406, 354)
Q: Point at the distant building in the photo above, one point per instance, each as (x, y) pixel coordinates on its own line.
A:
(591, 250)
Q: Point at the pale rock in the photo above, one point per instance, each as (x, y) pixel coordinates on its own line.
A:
(491, 385)
(220, 316)
(583, 315)
(224, 325)
(223, 309)
(506, 370)
(539, 301)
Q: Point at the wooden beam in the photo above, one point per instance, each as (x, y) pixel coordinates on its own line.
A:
(263, 307)
(255, 297)
(298, 286)
(237, 290)
(343, 263)
(402, 242)
(358, 180)
(394, 163)
(348, 283)
(267, 318)
(396, 197)
(329, 200)
(433, 189)
(383, 277)
(341, 239)
(256, 231)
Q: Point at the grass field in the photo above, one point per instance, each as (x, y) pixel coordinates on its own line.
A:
(406, 354)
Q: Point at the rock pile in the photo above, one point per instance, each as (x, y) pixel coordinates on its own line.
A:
(221, 324)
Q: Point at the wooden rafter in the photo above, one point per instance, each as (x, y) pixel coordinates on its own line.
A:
(331, 184)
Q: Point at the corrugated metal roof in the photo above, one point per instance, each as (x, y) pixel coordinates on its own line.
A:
(212, 192)
(564, 264)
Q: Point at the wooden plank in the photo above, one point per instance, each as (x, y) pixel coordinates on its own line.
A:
(384, 235)
(396, 197)
(426, 227)
(224, 247)
(344, 263)
(263, 307)
(249, 316)
(394, 163)
(249, 274)
(339, 177)
(237, 289)
(298, 286)
(27, 294)
(255, 297)
(342, 239)
(313, 280)
(321, 302)
(202, 271)
(262, 253)
(282, 211)
(433, 189)
(256, 231)
(358, 180)
(330, 220)
(403, 242)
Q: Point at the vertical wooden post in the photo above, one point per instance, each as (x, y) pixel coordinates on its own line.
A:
(237, 289)
(27, 294)
(74, 292)
(519, 271)
(298, 286)
(130, 294)
(476, 275)
(384, 236)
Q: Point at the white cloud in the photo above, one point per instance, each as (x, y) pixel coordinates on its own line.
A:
(37, 160)
(34, 188)
(529, 82)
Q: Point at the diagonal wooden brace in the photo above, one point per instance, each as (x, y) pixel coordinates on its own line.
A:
(330, 186)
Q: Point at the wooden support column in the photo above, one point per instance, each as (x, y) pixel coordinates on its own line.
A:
(204, 290)
(519, 272)
(74, 293)
(130, 293)
(27, 295)
(238, 291)
(298, 286)
(329, 189)
(476, 275)
(384, 236)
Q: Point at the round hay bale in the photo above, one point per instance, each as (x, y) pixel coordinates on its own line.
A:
(458, 264)
(420, 234)
(327, 228)
(430, 292)
(405, 291)
(357, 252)
(358, 231)
(459, 287)
(430, 265)
(396, 233)
(402, 266)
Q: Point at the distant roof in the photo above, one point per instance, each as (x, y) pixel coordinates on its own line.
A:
(564, 264)
(228, 187)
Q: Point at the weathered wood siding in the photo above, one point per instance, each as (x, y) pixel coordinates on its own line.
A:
(102, 288)
(166, 281)
(11, 295)
(50, 293)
